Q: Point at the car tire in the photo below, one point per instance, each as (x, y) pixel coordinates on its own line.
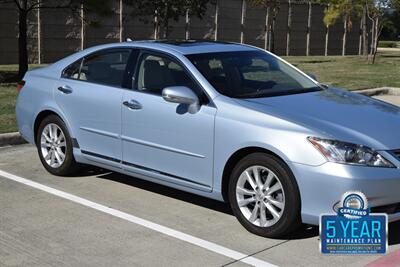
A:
(54, 145)
(276, 192)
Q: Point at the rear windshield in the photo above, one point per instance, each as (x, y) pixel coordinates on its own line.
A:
(251, 74)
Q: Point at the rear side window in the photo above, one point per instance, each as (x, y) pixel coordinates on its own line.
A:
(72, 71)
(105, 67)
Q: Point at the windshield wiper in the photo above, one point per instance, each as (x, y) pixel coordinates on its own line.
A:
(279, 93)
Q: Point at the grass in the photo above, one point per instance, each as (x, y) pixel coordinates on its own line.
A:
(8, 95)
(350, 72)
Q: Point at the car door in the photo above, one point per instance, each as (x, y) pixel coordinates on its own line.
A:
(162, 138)
(90, 94)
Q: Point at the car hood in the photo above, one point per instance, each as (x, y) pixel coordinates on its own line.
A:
(337, 114)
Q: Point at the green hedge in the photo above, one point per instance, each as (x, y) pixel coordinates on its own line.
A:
(389, 44)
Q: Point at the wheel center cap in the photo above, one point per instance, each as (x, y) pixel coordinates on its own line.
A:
(259, 197)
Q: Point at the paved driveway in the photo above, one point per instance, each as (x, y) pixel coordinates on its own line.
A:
(40, 226)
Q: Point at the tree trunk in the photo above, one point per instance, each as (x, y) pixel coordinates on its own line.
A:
(376, 39)
(242, 21)
(344, 36)
(371, 52)
(308, 28)
(365, 32)
(166, 22)
(121, 21)
(360, 37)
(39, 37)
(326, 40)
(266, 37)
(22, 44)
(216, 21)
(187, 25)
(156, 25)
(289, 28)
(82, 14)
(166, 29)
(272, 36)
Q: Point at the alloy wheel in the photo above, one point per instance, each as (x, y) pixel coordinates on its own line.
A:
(53, 145)
(260, 196)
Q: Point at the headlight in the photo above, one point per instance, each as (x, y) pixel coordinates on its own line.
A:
(348, 153)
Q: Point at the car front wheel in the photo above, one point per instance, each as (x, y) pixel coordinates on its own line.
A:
(55, 147)
(264, 196)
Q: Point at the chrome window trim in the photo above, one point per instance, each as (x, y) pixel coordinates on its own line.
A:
(82, 59)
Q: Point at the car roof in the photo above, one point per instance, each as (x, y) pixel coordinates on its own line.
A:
(183, 47)
(187, 47)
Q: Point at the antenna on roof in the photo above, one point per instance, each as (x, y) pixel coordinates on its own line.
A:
(129, 40)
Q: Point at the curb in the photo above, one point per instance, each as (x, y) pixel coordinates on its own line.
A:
(379, 91)
(15, 138)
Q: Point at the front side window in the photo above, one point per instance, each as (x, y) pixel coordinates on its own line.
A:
(157, 72)
(104, 67)
(250, 74)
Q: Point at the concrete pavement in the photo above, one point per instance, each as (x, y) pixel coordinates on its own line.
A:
(40, 229)
(392, 99)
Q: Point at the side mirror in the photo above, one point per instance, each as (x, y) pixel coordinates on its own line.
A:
(312, 76)
(182, 95)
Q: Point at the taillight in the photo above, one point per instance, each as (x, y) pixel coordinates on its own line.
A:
(20, 85)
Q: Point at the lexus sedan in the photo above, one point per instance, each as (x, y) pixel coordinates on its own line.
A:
(225, 121)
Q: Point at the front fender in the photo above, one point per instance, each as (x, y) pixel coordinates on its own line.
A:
(238, 127)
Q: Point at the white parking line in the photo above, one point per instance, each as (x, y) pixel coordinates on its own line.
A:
(145, 223)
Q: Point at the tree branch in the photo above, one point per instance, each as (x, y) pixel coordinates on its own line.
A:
(18, 5)
(40, 4)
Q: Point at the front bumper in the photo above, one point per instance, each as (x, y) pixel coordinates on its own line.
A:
(321, 187)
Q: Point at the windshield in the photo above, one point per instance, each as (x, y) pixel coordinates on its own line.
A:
(251, 74)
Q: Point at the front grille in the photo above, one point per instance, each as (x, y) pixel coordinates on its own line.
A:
(388, 209)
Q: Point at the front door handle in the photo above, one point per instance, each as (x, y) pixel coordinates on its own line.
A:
(132, 104)
(65, 89)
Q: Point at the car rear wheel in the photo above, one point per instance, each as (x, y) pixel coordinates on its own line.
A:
(54, 146)
(264, 196)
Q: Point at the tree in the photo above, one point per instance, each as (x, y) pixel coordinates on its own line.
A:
(163, 11)
(25, 7)
(391, 29)
(347, 10)
(372, 10)
(270, 6)
(376, 11)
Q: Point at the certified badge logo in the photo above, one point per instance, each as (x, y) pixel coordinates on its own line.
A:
(354, 205)
(353, 230)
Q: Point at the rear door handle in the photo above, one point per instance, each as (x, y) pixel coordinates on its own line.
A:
(132, 104)
(65, 89)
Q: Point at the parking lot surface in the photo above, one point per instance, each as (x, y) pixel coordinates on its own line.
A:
(392, 99)
(42, 225)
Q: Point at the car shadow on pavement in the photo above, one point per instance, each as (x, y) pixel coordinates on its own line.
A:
(167, 191)
(89, 171)
(304, 232)
(394, 233)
